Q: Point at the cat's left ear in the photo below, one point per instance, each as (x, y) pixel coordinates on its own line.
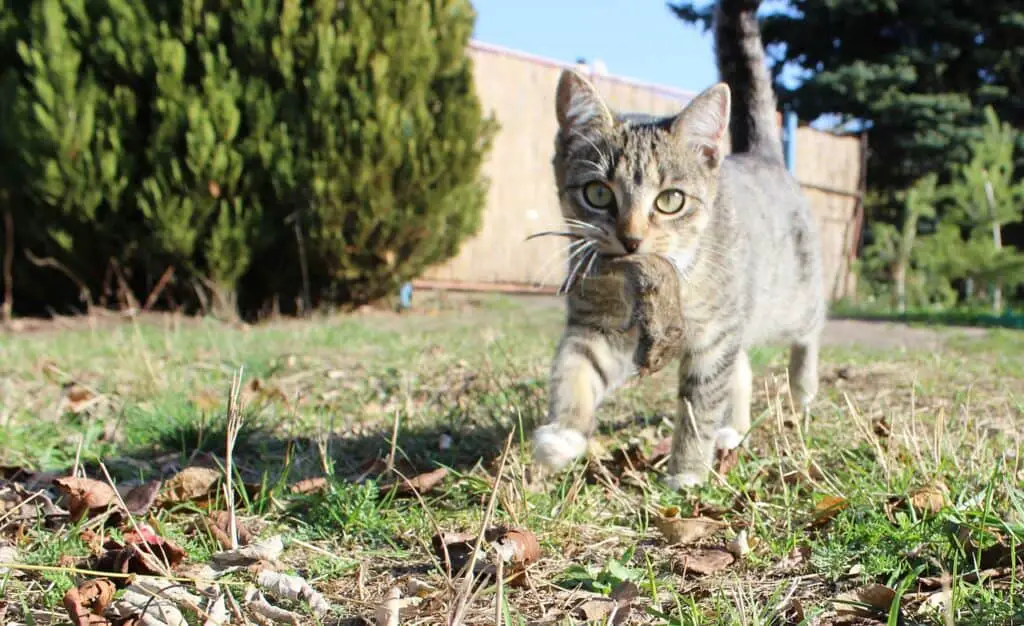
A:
(704, 122)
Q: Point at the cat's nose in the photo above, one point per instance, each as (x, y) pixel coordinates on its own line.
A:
(631, 243)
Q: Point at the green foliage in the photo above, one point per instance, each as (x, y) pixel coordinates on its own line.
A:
(983, 196)
(263, 150)
(917, 72)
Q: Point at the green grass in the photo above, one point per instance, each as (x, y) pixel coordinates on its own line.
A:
(331, 390)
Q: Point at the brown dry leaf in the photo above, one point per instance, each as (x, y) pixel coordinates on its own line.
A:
(518, 548)
(660, 451)
(191, 483)
(725, 460)
(76, 398)
(702, 562)
(931, 498)
(86, 496)
(86, 603)
(258, 391)
(219, 524)
(19, 505)
(140, 498)
(421, 483)
(826, 510)
(615, 609)
(267, 550)
(143, 552)
(309, 485)
(683, 530)
(868, 601)
(454, 549)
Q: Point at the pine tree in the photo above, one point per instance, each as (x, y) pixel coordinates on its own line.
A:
(987, 196)
(917, 72)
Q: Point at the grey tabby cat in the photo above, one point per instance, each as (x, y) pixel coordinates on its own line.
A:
(736, 228)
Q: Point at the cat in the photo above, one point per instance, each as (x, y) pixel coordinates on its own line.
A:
(735, 227)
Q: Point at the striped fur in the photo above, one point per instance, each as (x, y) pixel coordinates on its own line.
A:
(744, 249)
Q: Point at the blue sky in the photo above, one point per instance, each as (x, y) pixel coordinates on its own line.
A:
(639, 39)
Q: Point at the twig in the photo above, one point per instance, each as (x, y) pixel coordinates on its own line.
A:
(159, 287)
(8, 306)
(83, 291)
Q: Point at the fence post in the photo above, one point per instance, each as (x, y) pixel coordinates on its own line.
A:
(789, 142)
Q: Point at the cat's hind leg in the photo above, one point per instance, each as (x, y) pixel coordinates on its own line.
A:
(737, 421)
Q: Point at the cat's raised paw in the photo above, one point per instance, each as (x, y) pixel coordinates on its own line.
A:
(727, 438)
(555, 447)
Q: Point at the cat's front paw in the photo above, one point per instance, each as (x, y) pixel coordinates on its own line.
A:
(683, 480)
(727, 438)
(555, 446)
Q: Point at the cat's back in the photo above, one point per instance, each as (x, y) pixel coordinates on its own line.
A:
(778, 251)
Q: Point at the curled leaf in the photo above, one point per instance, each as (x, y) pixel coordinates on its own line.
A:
(86, 496)
(191, 483)
(292, 588)
(683, 530)
(702, 562)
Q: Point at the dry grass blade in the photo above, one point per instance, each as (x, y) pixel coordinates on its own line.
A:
(464, 597)
(235, 420)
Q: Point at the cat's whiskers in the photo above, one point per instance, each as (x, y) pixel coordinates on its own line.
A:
(548, 268)
(570, 278)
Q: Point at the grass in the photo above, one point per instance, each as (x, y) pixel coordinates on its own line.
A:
(467, 372)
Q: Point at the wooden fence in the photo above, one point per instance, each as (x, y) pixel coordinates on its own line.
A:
(520, 90)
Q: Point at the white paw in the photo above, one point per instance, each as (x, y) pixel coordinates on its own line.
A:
(682, 481)
(555, 446)
(727, 438)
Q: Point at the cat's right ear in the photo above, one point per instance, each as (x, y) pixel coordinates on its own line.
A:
(578, 104)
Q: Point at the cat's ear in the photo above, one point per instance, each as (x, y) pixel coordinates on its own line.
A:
(578, 104)
(704, 122)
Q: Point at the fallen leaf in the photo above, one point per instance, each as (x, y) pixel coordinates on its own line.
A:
(793, 561)
(86, 496)
(143, 552)
(217, 612)
(21, 506)
(76, 398)
(683, 530)
(140, 498)
(931, 498)
(309, 485)
(454, 549)
(867, 601)
(219, 523)
(156, 611)
(702, 562)
(294, 588)
(420, 483)
(725, 460)
(85, 604)
(518, 548)
(935, 602)
(257, 603)
(826, 510)
(266, 550)
(191, 483)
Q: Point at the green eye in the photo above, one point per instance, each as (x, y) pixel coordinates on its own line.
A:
(670, 201)
(598, 195)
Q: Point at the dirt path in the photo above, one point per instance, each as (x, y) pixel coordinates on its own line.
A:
(891, 334)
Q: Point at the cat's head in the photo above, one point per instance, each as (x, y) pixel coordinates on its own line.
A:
(641, 185)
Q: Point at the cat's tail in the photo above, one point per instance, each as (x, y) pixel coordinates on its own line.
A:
(741, 65)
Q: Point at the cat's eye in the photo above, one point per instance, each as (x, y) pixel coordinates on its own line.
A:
(670, 201)
(598, 195)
